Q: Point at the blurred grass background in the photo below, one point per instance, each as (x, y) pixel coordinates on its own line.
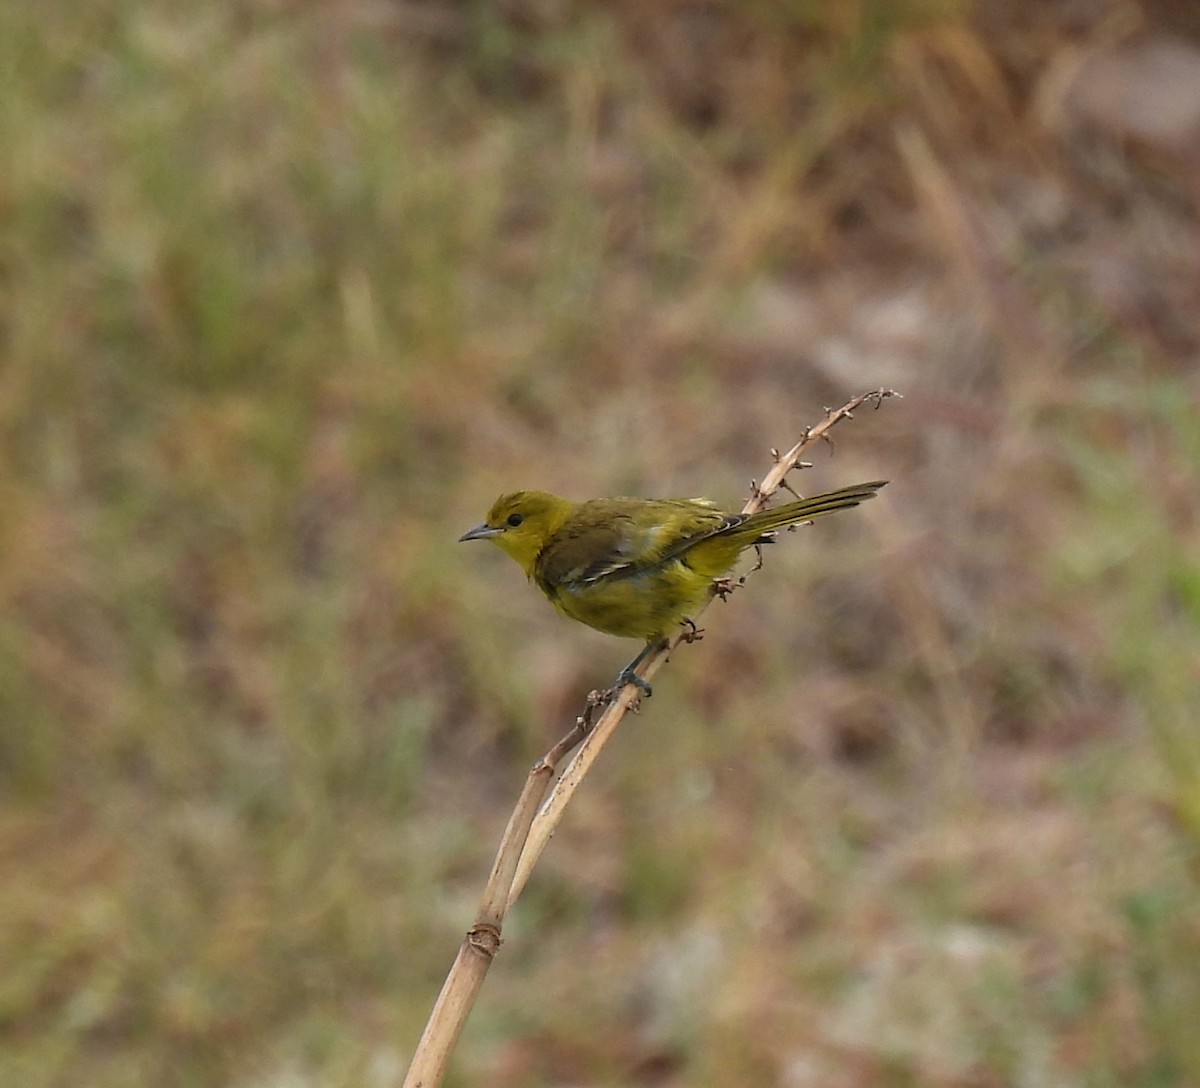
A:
(289, 291)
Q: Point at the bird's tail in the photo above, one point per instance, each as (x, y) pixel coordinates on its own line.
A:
(806, 509)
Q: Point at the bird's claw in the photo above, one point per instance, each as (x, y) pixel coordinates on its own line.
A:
(693, 633)
(624, 678)
(628, 676)
(724, 587)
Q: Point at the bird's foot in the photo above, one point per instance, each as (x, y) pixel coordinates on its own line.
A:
(626, 677)
(692, 632)
(724, 587)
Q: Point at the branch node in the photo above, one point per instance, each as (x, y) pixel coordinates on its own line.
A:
(485, 938)
(595, 700)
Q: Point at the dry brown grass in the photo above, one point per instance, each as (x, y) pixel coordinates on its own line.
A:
(290, 292)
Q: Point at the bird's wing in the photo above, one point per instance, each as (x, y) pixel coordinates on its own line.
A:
(615, 538)
(714, 526)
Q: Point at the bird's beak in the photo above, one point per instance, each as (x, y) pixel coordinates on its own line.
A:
(481, 532)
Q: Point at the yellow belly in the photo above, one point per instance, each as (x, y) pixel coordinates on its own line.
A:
(648, 605)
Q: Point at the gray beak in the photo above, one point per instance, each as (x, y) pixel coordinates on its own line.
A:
(480, 532)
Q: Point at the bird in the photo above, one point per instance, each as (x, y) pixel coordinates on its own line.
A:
(638, 568)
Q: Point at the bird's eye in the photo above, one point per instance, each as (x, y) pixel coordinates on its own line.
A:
(515, 519)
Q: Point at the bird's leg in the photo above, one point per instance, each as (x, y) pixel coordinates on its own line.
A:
(758, 560)
(693, 633)
(628, 675)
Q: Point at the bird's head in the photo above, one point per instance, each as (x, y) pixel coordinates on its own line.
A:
(520, 523)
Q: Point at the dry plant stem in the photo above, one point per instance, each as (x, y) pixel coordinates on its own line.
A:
(482, 942)
(530, 828)
(550, 815)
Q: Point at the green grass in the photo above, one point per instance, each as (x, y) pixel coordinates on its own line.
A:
(289, 293)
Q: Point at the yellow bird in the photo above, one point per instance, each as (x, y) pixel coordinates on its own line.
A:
(637, 567)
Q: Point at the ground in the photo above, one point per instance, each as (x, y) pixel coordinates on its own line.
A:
(291, 291)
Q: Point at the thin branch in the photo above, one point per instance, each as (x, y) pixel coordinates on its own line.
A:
(482, 941)
(530, 826)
